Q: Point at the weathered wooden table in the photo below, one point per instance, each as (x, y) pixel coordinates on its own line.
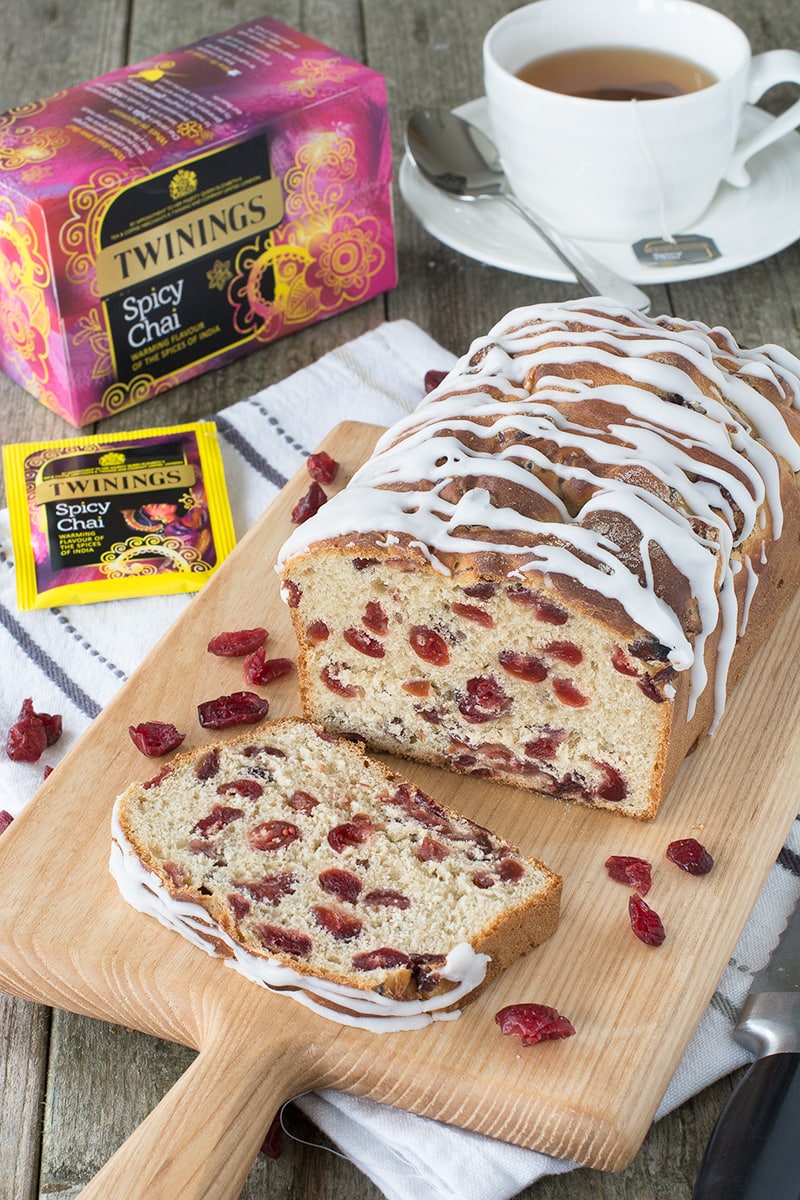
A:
(71, 1089)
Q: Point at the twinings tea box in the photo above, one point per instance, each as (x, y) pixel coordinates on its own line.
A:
(170, 216)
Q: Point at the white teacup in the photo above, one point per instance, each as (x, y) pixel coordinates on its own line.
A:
(622, 170)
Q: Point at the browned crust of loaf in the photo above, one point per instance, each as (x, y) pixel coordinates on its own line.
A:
(505, 939)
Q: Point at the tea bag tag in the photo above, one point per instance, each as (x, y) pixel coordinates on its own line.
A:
(678, 251)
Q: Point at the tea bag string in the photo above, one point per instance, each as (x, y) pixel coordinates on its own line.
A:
(641, 138)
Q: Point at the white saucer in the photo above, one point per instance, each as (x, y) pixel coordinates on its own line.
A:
(746, 224)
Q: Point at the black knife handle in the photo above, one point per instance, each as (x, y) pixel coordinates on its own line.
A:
(754, 1151)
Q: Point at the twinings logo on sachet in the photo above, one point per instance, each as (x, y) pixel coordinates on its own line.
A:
(119, 483)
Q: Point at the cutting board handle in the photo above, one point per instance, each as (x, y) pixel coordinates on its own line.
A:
(200, 1142)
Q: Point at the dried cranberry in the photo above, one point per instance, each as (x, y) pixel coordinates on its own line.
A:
(533, 1023)
(285, 941)
(249, 788)
(386, 898)
(350, 833)
(612, 786)
(273, 835)
(471, 612)
(302, 801)
(480, 591)
(483, 879)
(309, 504)
(420, 807)
(566, 691)
(632, 871)
(523, 666)
(322, 467)
(318, 631)
(159, 778)
(429, 645)
(239, 708)
(433, 379)
(375, 618)
(645, 922)
(26, 740)
(51, 722)
(207, 765)
(335, 684)
(510, 870)
(339, 924)
(342, 884)
(566, 652)
(429, 850)
(237, 643)
(543, 609)
(620, 662)
(5, 820)
(174, 873)
(484, 700)
(260, 670)
(291, 593)
(383, 957)
(154, 738)
(220, 816)
(271, 888)
(365, 644)
(690, 855)
(545, 746)
(240, 907)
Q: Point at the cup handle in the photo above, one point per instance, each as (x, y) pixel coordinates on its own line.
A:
(774, 66)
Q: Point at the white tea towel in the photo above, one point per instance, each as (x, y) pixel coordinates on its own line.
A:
(72, 660)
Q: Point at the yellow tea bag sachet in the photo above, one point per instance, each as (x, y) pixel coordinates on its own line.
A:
(108, 516)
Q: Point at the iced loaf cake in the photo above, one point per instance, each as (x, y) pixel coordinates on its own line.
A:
(554, 570)
(315, 871)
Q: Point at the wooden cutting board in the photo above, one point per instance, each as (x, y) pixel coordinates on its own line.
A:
(68, 940)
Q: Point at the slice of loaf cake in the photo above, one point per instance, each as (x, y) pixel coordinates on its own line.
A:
(552, 573)
(313, 869)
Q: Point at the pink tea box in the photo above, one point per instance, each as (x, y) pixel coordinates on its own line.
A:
(173, 215)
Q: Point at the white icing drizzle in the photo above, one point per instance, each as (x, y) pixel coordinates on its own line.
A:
(147, 893)
(734, 422)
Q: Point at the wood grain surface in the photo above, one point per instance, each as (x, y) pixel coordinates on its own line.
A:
(67, 938)
(72, 1088)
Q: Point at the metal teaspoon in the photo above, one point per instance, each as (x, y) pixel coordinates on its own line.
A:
(456, 156)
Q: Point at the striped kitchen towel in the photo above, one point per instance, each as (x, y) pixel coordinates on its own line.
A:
(72, 660)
